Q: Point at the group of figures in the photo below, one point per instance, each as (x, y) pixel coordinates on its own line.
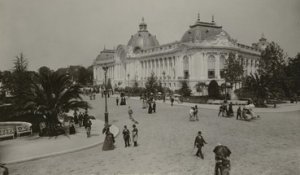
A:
(222, 153)
(150, 104)
(122, 102)
(109, 142)
(243, 113)
(83, 120)
(194, 113)
(127, 138)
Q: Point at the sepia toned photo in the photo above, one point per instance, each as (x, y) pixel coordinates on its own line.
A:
(149, 87)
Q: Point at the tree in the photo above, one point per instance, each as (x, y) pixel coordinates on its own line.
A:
(20, 81)
(257, 86)
(151, 84)
(185, 90)
(293, 73)
(234, 70)
(52, 94)
(213, 89)
(272, 68)
(44, 70)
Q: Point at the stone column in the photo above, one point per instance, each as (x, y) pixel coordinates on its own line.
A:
(217, 66)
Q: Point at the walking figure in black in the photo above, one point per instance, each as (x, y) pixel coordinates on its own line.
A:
(154, 106)
(199, 143)
(239, 113)
(149, 107)
(172, 100)
(117, 101)
(126, 136)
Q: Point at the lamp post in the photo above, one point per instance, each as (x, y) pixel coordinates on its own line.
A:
(105, 68)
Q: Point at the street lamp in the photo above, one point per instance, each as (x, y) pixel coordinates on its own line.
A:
(105, 68)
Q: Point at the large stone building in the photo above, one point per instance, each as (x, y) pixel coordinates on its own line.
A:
(199, 56)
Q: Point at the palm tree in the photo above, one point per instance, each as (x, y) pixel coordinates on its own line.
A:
(53, 93)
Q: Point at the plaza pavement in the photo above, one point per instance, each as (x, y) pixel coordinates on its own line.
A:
(34, 147)
(268, 146)
(285, 107)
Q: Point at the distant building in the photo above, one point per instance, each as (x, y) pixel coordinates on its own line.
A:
(198, 57)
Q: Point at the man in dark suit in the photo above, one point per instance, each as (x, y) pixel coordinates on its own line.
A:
(199, 143)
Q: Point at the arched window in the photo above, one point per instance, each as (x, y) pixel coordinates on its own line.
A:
(222, 65)
(211, 66)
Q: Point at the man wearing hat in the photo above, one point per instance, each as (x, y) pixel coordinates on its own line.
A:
(199, 143)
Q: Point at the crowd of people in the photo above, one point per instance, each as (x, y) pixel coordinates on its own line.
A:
(244, 112)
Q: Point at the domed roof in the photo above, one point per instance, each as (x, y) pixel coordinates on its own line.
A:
(201, 31)
(105, 55)
(142, 39)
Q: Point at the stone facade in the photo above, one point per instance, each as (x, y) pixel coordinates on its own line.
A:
(198, 57)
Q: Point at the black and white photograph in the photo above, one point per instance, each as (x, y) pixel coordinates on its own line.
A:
(149, 87)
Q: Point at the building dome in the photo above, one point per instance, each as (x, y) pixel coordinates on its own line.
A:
(201, 31)
(142, 39)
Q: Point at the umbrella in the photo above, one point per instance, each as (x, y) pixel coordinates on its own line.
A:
(222, 151)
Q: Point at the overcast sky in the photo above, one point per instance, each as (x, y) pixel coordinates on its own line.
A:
(59, 33)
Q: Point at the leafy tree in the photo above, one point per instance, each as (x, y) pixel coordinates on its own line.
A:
(293, 72)
(213, 89)
(272, 68)
(257, 86)
(52, 94)
(185, 90)
(85, 75)
(151, 84)
(234, 70)
(44, 70)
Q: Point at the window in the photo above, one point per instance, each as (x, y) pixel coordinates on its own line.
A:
(211, 74)
(222, 65)
(211, 66)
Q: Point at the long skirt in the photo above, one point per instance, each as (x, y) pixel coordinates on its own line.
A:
(108, 143)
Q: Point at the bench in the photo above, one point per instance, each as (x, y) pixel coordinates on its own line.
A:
(7, 132)
(21, 129)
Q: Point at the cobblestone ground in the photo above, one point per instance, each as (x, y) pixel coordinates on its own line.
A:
(267, 146)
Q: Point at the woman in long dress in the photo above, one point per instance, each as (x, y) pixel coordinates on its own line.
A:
(109, 140)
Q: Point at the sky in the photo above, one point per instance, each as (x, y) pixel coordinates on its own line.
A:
(60, 33)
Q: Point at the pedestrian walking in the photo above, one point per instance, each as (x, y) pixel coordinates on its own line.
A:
(154, 106)
(88, 127)
(134, 135)
(191, 114)
(230, 110)
(80, 118)
(85, 117)
(239, 113)
(117, 101)
(196, 113)
(199, 143)
(109, 139)
(172, 100)
(149, 107)
(126, 136)
(75, 117)
(130, 112)
(222, 166)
